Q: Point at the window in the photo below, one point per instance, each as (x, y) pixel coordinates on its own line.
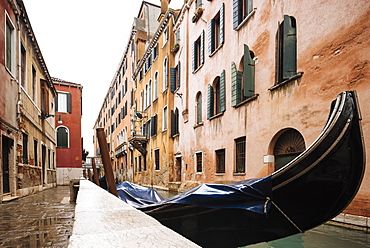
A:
(165, 74)
(199, 161)
(220, 161)
(153, 125)
(149, 94)
(35, 151)
(140, 162)
(155, 90)
(198, 53)
(174, 122)
(286, 49)
(216, 97)
(177, 33)
(241, 10)
(240, 155)
(44, 97)
(62, 137)
(10, 46)
(199, 108)
(216, 32)
(165, 36)
(175, 78)
(33, 83)
(63, 102)
(242, 82)
(25, 148)
(23, 65)
(288, 146)
(164, 120)
(155, 52)
(156, 159)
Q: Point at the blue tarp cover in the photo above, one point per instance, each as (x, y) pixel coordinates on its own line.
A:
(251, 194)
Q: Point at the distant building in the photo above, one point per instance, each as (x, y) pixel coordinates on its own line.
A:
(68, 114)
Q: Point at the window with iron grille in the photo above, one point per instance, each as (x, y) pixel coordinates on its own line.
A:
(199, 161)
(220, 161)
(240, 155)
(156, 159)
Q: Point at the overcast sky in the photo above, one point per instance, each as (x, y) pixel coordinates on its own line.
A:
(82, 41)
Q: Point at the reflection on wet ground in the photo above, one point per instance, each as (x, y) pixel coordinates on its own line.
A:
(44, 219)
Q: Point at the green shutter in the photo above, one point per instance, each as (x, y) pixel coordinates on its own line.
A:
(173, 123)
(202, 48)
(222, 92)
(236, 80)
(8, 46)
(289, 47)
(222, 13)
(250, 6)
(194, 56)
(210, 101)
(248, 73)
(173, 74)
(69, 103)
(211, 39)
(237, 13)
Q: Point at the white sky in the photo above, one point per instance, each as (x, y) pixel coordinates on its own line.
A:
(82, 41)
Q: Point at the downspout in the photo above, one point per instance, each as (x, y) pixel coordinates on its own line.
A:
(187, 58)
(19, 68)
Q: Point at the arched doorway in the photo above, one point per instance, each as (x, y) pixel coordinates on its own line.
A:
(289, 145)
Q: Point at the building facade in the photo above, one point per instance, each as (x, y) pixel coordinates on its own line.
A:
(253, 83)
(68, 114)
(27, 98)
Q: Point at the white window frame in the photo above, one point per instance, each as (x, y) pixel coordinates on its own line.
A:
(165, 119)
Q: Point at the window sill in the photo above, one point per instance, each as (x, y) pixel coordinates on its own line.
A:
(239, 174)
(199, 67)
(216, 116)
(295, 77)
(216, 50)
(250, 99)
(220, 174)
(246, 19)
(175, 135)
(198, 125)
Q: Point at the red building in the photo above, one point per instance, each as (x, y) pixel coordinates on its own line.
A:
(68, 113)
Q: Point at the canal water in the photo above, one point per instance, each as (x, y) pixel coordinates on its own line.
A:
(324, 236)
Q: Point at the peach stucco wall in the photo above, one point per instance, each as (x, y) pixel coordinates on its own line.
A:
(333, 54)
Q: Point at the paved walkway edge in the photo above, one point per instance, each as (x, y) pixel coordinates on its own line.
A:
(103, 220)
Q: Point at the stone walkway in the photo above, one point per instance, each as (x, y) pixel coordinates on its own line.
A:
(44, 219)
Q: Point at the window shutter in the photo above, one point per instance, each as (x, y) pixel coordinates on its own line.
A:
(289, 47)
(248, 73)
(211, 39)
(173, 123)
(69, 104)
(153, 125)
(236, 83)
(222, 11)
(178, 75)
(194, 56)
(56, 102)
(237, 13)
(202, 48)
(173, 79)
(222, 92)
(250, 6)
(210, 101)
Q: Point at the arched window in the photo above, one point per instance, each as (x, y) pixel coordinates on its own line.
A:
(199, 108)
(288, 146)
(155, 90)
(165, 74)
(62, 137)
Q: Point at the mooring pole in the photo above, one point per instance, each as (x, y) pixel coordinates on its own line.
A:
(95, 171)
(100, 134)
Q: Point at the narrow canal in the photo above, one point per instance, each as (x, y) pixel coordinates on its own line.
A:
(324, 236)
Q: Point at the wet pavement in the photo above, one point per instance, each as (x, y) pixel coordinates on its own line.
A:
(44, 219)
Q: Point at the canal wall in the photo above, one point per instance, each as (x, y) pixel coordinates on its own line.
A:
(103, 220)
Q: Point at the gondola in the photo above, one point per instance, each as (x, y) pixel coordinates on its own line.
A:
(308, 191)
